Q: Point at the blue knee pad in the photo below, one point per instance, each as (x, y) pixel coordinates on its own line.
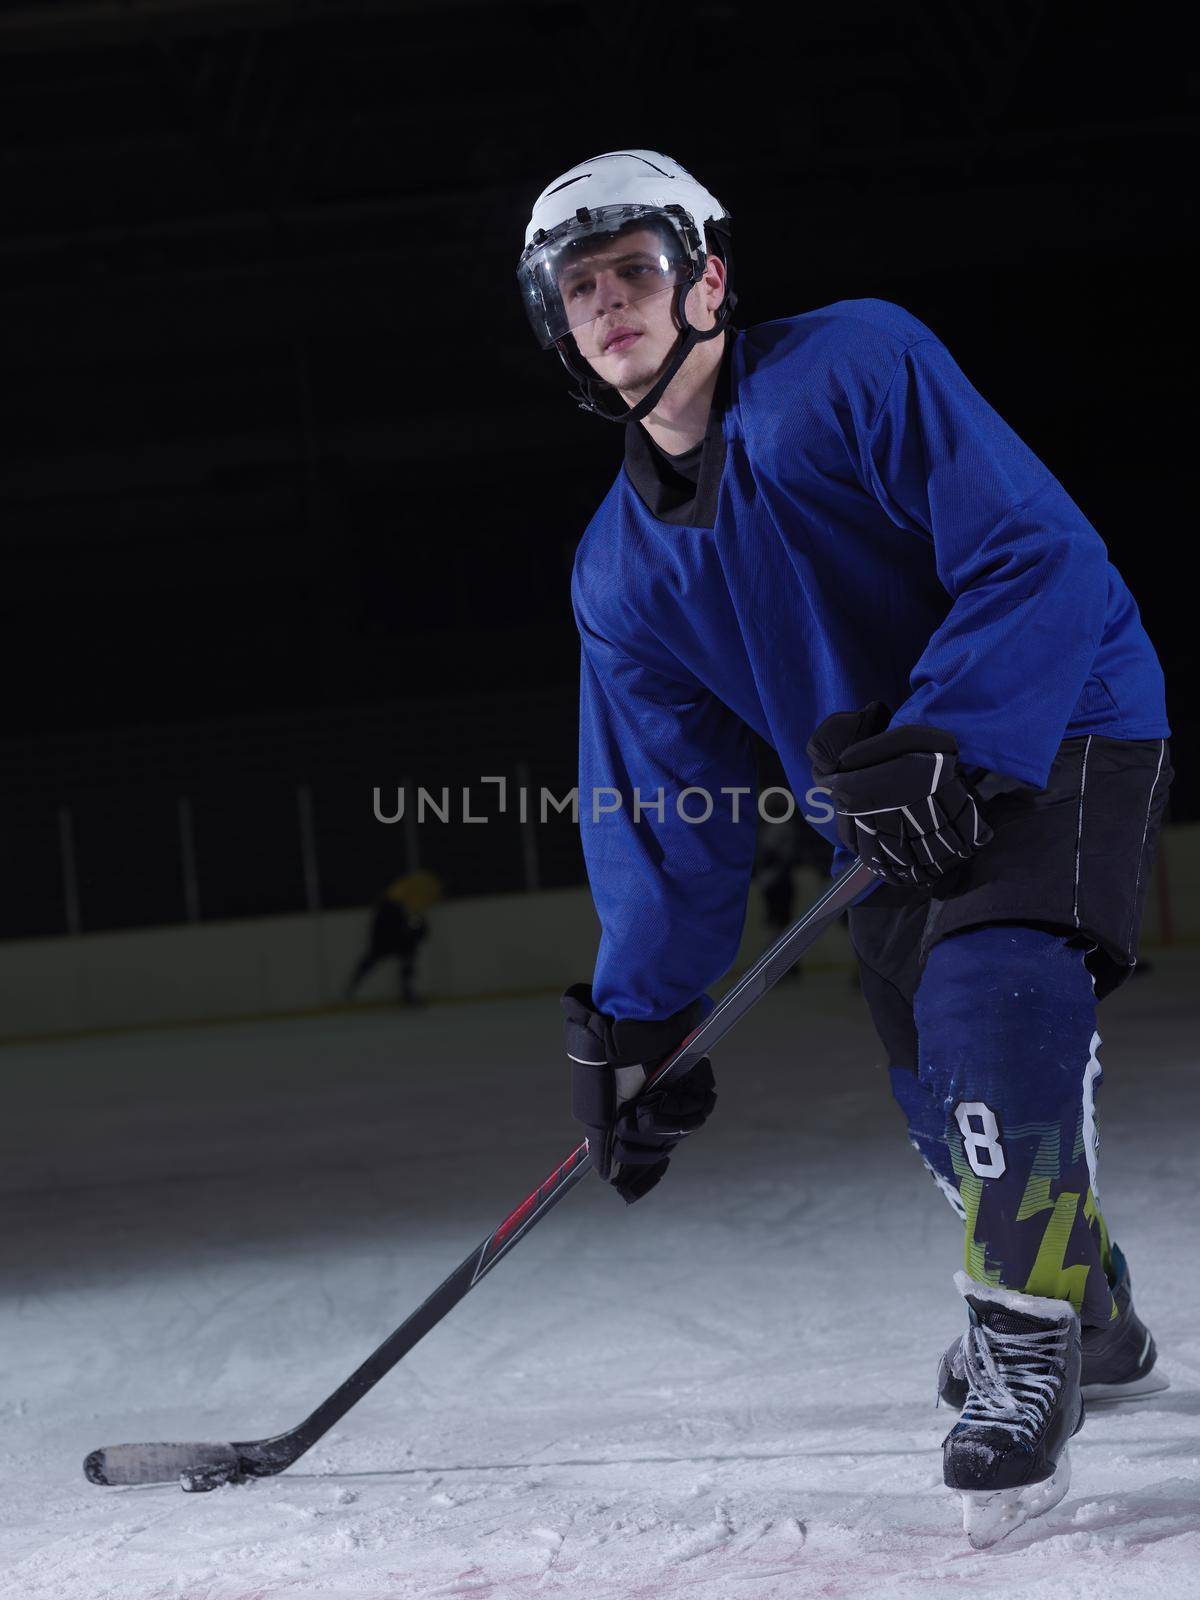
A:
(1006, 1027)
(1006, 1016)
(926, 1118)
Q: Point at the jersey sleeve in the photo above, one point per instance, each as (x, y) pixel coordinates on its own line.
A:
(670, 893)
(1026, 572)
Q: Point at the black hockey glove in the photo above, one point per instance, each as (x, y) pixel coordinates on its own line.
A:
(631, 1135)
(902, 804)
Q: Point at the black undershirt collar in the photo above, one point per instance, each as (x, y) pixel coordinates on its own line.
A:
(682, 490)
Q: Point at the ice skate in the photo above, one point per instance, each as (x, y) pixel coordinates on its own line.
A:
(1118, 1360)
(1007, 1455)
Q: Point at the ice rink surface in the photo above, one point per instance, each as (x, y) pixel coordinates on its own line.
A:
(723, 1393)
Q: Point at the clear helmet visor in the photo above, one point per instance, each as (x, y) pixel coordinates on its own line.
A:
(601, 261)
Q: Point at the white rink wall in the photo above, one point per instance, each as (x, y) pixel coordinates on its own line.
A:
(498, 944)
(494, 945)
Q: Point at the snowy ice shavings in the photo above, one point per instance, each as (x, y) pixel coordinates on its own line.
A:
(547, 1536)
(702, 1541)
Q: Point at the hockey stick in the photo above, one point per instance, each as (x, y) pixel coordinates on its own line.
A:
(205, 1466)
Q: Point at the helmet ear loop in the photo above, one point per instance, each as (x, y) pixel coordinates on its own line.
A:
(724, 310)
(689, 335)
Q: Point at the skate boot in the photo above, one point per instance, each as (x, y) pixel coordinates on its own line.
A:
(1007, 1454)
(1118, 1359)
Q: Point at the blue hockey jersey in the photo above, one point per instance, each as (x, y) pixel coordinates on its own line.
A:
(881, 534)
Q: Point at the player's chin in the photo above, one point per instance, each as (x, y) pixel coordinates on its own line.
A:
(628, 377)
(607, 369)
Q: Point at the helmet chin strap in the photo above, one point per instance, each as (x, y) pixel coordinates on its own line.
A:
(586, 395)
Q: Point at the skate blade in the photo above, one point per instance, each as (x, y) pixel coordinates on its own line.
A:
(1152, 1382)
(991, 1514)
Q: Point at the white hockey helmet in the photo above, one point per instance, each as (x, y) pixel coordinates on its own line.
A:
(623, 191)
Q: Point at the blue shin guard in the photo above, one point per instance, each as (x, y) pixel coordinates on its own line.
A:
(1002, 1108)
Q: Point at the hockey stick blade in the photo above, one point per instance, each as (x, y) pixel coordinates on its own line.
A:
(198, 1467)
(162, 1463)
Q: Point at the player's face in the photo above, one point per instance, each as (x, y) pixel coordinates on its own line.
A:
(622, 313)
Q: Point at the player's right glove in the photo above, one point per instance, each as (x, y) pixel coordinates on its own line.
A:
(630, 1134)
(902, 803)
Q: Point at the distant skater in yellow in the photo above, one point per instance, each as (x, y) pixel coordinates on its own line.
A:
(398, 924)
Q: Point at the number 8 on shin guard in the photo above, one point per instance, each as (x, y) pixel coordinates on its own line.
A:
(981, 1138)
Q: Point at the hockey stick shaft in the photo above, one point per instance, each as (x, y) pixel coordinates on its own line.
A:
(263, 1457)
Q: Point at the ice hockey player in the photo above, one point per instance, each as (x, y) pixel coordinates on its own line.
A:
(398, 925)
(822, 533)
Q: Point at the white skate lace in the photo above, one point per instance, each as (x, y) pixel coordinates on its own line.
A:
(1014, 1378)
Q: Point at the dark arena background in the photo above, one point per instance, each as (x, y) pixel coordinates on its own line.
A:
(290, 500)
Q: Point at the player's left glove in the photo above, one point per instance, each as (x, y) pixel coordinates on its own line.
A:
(902, 804)
(631, 1134)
